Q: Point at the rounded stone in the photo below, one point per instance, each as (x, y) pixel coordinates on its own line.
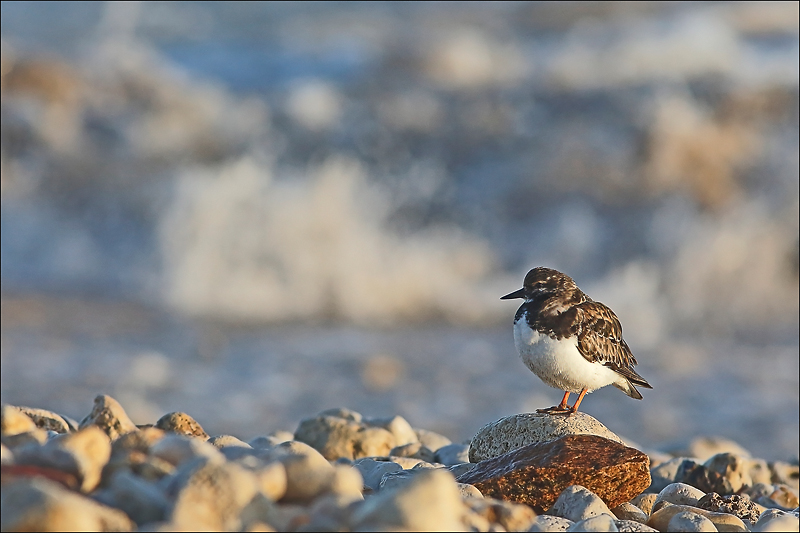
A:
(396, 425)
(227, 441)
(664, 474)
(429, 502)
(577, 503)
(469, 491)
(601, 522)
(212, 496)
(545, 522)
(704, 448)
(372, 471)
(47, 419)
(178, 448)
(680, 494)
(732, 472)
(452, 454)
(308, 473)
(628, 511)
(688, 521)
(722, 521)
(336, 437)
(42, 505)
(347, 482)
(14, 422)
(645, 502)
(508, 515)
(516, 431)
(431, 439)
(182, 424)
(777, 520)
(272, 480)
(108, 415)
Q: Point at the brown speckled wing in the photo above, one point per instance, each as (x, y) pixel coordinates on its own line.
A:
(600, 339)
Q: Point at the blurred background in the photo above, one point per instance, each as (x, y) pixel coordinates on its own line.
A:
(252, 212)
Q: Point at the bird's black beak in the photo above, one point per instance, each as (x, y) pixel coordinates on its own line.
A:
(516, 294)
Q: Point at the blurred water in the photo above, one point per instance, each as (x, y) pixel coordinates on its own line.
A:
(313, 172)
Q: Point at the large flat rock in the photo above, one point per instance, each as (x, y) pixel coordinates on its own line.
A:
(537, 473)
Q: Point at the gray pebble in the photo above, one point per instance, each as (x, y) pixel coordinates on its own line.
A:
(578, 503)
(688, 521)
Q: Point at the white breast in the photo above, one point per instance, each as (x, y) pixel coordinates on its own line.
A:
(558, 362)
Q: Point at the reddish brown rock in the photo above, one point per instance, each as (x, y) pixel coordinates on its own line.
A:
(537, 473)
(182, 424)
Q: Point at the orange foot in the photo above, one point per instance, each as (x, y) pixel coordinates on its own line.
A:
(563, 408)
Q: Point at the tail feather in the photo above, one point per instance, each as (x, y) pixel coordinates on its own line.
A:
(628, 388)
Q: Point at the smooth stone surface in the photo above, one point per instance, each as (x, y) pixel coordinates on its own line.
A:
(777, 520)
(82, 454)
(664, 474)
(42, 505)
(703, 448)
(176, 448)
(226, 441)
(631, 526)
(452, 454)
(602, 522)
(211, 496)
(329, 513)
(182, 424)
(688, 521)
(308, 473)
(723, 522)
(460, 469)
(510, 516)
(468, 491)
(141, 440)
(346, 482)
(759, 472)
(373, 471)
(392, 480)
(578, 503)
(396, 425)
(679, 494)
(272, 480)
(431, 439)
(538, 473)
(784, 496)
(414, 450)
(343, 412)
(628, 511)
(545, 522)
(143, 502)
(339, 437)
(785, 473)
(645, 502)
(430, 502)
(739, 505)
(108, 415)
(36, 437)
(516, 431)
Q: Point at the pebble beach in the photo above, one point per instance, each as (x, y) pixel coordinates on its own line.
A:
(340, 471)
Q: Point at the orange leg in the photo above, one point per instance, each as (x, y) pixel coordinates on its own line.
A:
(563, 404)
(561, 409)
(574, 408)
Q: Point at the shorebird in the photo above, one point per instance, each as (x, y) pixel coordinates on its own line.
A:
(570, 341)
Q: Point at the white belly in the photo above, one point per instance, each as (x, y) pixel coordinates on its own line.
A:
(558, 362)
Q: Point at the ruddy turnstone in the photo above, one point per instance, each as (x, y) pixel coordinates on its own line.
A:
(570, 341)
